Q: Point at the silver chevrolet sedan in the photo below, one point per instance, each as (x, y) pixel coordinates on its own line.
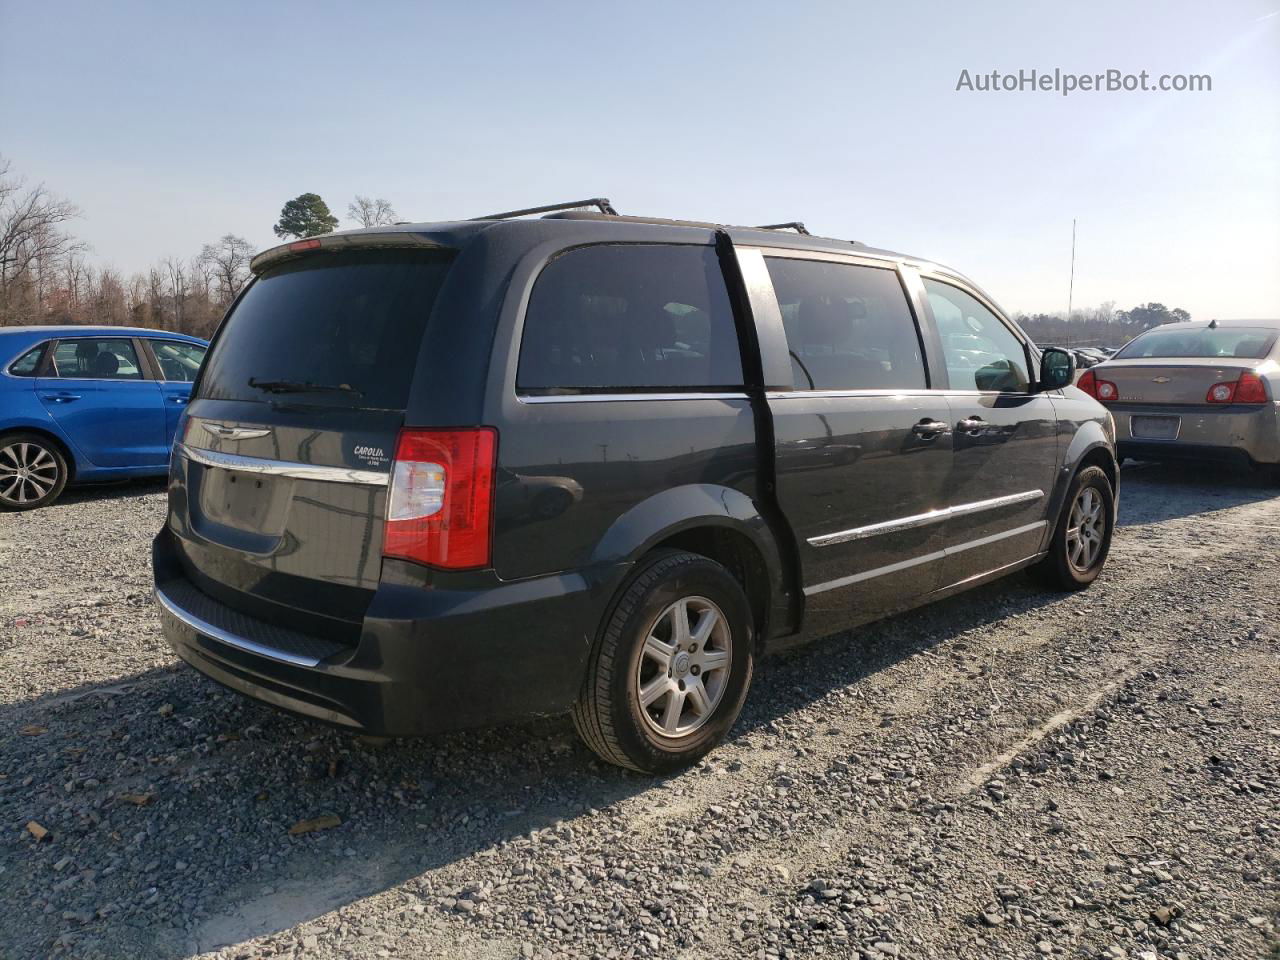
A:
(1196, 391)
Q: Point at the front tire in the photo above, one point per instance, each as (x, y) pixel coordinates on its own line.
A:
(33, 471)
(1082, 538)
(670, 671)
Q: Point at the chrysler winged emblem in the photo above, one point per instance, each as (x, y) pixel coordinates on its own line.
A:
(235, 433)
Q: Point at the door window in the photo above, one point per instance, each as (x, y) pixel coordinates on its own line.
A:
(96, 359)
(624, 317)
(981, 352)
(848, 327)
(178, 360)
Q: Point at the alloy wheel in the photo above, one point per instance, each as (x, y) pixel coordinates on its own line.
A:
(28, 472)
(1086, 527)
(683, 668)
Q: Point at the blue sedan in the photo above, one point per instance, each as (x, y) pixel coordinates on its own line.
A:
(79, 404)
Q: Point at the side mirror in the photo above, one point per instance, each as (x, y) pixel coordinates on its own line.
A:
(1057, 369)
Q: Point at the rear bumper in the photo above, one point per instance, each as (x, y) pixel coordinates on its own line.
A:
(1241, 434)
(427, 659)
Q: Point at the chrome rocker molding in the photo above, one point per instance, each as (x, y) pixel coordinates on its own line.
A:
(230, 639)
(927, 558)
(281, 468)
(923, 519)
(622, 397)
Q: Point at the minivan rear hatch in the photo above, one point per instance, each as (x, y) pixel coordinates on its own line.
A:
(280, 474)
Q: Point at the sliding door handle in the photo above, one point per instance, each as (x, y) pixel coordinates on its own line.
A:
(928, 429)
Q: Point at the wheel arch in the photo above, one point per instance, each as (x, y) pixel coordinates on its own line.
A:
(63, 447)
(1089, 446)
(717, 522)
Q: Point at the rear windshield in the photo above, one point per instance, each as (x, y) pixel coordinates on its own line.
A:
(338, 329)
(1247, 343)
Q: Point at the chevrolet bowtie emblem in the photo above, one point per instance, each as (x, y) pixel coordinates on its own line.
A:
(1159, 379)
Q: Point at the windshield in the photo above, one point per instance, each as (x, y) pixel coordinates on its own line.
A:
(1251, 343)
(337, 329)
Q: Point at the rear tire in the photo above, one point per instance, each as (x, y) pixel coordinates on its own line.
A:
(33, 471)
(1082, 538)
(657, 697)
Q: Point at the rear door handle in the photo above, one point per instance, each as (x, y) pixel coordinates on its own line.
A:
(971, 425)
(928, 429)
(62, 397)
(178, 399)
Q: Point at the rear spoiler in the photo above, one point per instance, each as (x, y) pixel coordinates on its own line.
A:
(335, 242)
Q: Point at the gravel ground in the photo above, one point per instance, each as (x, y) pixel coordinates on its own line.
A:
(1006, 774)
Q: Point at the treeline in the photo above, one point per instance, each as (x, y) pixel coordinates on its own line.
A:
(47, 276)
(1102, 326)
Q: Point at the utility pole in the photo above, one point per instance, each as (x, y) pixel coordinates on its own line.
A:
(1071, 284)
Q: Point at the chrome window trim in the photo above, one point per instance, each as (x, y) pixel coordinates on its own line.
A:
(923, 519)
(612, 397)
(230, 639)
(926, 558)
(281, 468)
(879, 261)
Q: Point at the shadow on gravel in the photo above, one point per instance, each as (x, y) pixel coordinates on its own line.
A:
(115, 490)
(171, 799)
(1169, 491)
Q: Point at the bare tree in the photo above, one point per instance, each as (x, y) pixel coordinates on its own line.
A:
(374, 212)
(228, 263)
(32, 244)
(173, 281)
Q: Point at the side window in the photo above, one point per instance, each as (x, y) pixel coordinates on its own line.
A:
(27, 364)
(623, 317)
(178, 360)
(981, 352)
(107, 358)
(848, 327)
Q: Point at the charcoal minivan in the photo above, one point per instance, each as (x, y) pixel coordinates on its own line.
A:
(451, 474)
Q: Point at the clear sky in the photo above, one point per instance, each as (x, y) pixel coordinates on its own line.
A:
(173, 123)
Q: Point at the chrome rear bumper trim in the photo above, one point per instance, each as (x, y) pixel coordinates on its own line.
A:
(222, 636)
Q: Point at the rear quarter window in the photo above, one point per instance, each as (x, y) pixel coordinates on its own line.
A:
(347, 324)
(29, 363)
(629, 317)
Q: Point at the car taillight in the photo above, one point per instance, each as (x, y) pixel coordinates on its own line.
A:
(1103, 390)
(440, 503)
(1249, 388)
(299, 245)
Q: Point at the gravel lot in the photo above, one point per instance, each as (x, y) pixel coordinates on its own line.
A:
(1006, 774)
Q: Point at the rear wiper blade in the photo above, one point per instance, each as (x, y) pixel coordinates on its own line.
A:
(302, 386)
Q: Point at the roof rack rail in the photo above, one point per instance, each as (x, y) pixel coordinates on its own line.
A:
(795, 225)
(600, 203)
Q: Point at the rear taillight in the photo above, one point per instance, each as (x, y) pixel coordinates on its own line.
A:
(299, 245)
(1249, 388)
(1103, 390)
(440, 503)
